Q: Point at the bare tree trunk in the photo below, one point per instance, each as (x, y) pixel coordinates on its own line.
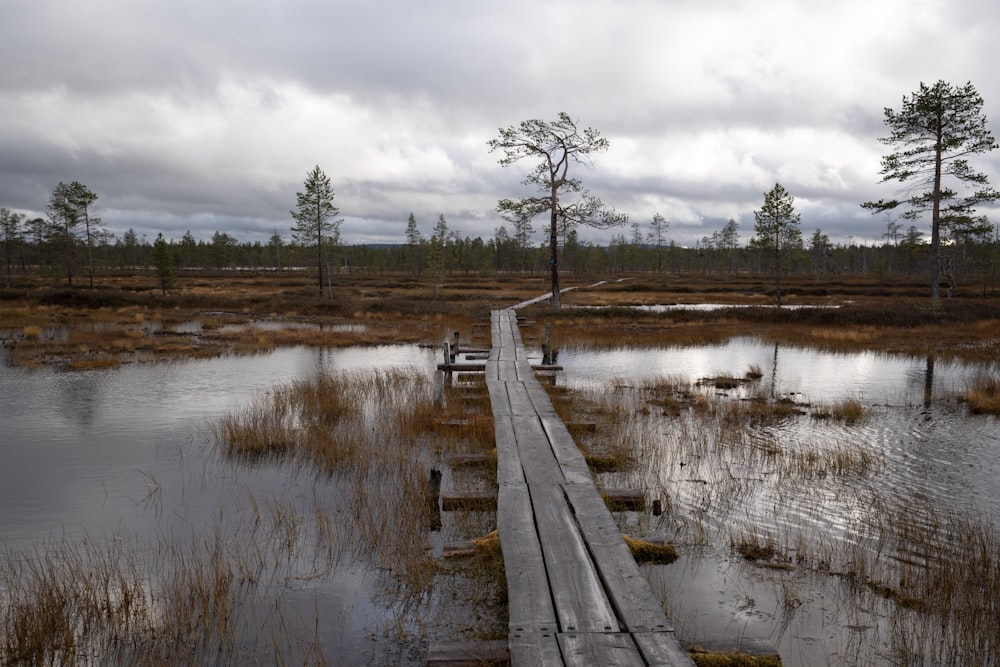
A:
(554, 250)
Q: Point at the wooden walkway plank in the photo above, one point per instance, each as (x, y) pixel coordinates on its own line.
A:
(638, 608)
(587, 649)
(499, 399)
(529, 598)
(534, 648)
(575, 594)
(509, 470)
(564, 448)
(661, 649)
(581, 603)
(520, 401)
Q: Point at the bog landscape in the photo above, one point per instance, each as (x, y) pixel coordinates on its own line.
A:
(465, 451)
(237, 472)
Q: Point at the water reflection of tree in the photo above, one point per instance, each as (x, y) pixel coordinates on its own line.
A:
(81, 397)
(929, 382)
(774, 373)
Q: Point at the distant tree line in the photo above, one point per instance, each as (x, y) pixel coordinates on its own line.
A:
(966, 258)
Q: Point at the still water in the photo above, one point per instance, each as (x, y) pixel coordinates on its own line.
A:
(81, 449)
(128, 450)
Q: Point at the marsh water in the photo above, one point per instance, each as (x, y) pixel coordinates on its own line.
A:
(127, 453)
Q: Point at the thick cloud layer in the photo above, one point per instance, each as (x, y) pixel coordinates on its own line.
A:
(207, 115)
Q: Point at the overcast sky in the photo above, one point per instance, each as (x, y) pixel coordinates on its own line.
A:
(206, 115)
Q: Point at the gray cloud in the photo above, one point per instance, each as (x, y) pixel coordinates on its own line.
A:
(206, 116)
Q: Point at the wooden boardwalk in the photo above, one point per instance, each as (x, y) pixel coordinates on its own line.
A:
(575, 594)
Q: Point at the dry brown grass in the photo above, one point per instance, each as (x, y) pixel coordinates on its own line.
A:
(849, 411)
(983, 396)
(398, 308)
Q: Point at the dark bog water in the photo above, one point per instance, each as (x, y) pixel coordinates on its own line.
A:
(127, 454)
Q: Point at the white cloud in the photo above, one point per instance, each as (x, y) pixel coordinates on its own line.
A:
(211, 113)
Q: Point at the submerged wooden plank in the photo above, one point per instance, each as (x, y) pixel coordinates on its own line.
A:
(759, 648)
(484, 653)
(624, 500)
(480, 500)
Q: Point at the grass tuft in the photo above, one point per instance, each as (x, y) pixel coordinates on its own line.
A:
(983, 396)
(645, 551)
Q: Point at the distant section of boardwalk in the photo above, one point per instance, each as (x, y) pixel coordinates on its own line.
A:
(575, 594)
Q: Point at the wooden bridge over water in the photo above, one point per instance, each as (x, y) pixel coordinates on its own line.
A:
(575, 593)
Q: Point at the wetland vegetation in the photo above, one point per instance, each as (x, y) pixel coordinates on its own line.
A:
(288, 523)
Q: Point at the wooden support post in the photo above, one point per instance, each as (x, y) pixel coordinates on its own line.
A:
(548, 357)
(433, 496)
(439, 389)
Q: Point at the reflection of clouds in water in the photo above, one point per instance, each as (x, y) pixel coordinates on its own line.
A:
(74, 443)
(816, 375)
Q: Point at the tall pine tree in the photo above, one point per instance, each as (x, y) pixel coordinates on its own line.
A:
(932, 134)
(314, 215)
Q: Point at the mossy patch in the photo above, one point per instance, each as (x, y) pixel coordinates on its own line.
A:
(661, 552)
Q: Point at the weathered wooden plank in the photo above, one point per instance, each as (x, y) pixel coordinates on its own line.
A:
(498, 397)
(540, 398)
(469, 654)
(581, 603)
(531, 648)
(637, 607)
(508, 459)
(520, 402)
(564, 448)
(662, 649)
(525, 373)
(508, 370)
(529, 599)
(560, 610)
(536, 455)
(460, 367)
(586, 649)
